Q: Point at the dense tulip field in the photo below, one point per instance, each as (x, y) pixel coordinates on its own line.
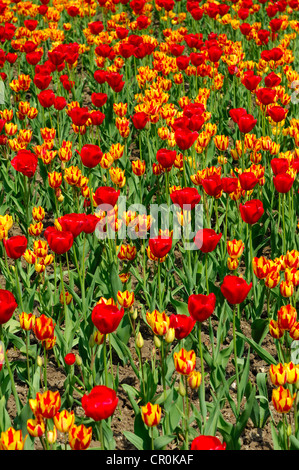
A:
(149, 246)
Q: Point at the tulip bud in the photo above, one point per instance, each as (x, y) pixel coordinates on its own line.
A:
(297, 384)
(39, 361)
(289, 430)
(139, 341)
(157, 342)
(182, 390)
(78, 360)
(52, 436)
(170, 335)
(91, 341)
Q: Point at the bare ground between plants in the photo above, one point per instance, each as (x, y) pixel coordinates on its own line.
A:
(123, 420)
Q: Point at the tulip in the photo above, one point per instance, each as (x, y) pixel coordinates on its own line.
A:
(166, 157)
(8, 305)
(99, 99)
(140, 120)
(46, 98)
(248, 180)
(277, 113)
(151, 414)
(186, 198)
(282, 399)
(15, 246)
(73, 223)
(100, 403)
(283, 182)
(60, 241)
(251, 211)
(246, 123)
(185, 138)
(182, 325)
(90, 155)
(212, 185)
(206, 240)
(159, 322)
(184, 361)
(278, 374)
(235, 289)
(80, 437)
(160, 246)
(201, 306)
(43, 327)
(12, 440)
(286, 317)
(207, 443)
(106, 196)
(25, 162)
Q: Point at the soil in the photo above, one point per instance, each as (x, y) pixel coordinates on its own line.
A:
(252, 438)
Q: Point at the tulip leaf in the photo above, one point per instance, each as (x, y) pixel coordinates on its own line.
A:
(263, 353)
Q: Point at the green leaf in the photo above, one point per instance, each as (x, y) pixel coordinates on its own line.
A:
(135, 440)
(162, 441)
(265, 355)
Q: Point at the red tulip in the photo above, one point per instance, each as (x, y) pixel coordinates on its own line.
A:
(15, 246)
(201, 306)
(99, 99)
(182, 62)
(42, 81)
(245, 28)
(106, 317)
(60, 103)
(90, 155)
(166, 157)
(25, 162)
(70, 359)
(46, 98)
(272, 80)
(79, 116)
(251, 211)
(235, 289)
(73, 223)
(182, 324)
(106, 196)
(100, 76)
(8, 305)
(91, 221)
(251, 81)
(207, 239)
(207, 443)
(248, 180)
(229, 184)
(160, 246)
(246, 123)
(214, 53)
(185, 198)
(185, 138)
(283, 182)
(96, 27)
(236, 113)
(266, 95)
(60, 241)
(212, 185)
(277, 113)
(140, 120)
(100, 403)
(279, 165)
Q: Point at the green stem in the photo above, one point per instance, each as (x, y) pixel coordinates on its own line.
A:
(236, 357)
(202, 384)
